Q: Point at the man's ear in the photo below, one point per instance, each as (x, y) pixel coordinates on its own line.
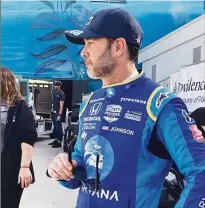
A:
(120, 46)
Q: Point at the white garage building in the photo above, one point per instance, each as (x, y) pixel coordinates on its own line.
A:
(177, 62)
(184, 46)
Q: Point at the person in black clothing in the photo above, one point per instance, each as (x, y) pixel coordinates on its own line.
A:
(18, 135)
(56, 114)
(199, 116)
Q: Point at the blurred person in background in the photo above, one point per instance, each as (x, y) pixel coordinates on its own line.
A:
(58, 98)
(18, 135)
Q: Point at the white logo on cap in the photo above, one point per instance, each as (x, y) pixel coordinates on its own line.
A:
(76, 32)
(138, 40)
(89, 21)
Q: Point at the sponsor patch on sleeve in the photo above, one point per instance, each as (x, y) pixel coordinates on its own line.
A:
(162, 96)
(187, 118)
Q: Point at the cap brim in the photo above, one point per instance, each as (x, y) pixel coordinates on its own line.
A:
(78, 36)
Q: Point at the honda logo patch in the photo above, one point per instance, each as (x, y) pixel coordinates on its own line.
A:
(94, 110)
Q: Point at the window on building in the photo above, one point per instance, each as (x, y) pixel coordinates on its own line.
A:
(154, 72)
(197, 55)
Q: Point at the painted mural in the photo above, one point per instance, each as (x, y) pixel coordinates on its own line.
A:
(33, 44)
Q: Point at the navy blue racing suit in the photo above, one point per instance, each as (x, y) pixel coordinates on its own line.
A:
(117, 124)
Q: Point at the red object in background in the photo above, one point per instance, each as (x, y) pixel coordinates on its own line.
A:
(197, 134)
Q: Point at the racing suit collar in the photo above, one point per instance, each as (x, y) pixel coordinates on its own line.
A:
(129, 79)
(136, 73)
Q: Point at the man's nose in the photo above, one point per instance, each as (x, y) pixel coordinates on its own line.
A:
(83, 53)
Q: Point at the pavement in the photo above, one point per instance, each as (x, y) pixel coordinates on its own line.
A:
(46, 192)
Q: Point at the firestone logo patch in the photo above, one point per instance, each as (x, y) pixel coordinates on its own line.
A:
(133, 100)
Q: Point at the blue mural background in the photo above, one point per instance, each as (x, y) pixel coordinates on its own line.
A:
(33, 44)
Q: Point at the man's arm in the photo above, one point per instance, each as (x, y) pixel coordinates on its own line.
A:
(62, 99)
(77, 156)
(186, 146)
(61, 170)
(61, 107)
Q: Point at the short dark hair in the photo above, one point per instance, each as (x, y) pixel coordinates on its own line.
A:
(133, 50)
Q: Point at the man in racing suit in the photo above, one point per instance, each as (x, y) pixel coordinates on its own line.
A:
(132, 129)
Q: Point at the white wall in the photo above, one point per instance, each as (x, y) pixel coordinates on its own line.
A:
(174, 50)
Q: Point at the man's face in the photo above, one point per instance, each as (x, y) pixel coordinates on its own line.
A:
(56, 87)
(98, 57)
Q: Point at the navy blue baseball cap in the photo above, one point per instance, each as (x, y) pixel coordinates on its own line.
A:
(110, 23)
(57, 83)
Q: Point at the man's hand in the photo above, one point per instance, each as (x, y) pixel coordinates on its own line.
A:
(58, 118)
(60, 168)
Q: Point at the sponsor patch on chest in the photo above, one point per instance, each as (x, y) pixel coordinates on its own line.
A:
(112, 113)
(133, 115)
